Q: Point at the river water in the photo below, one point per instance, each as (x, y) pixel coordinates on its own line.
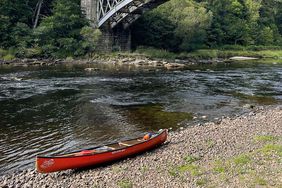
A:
(51, 110)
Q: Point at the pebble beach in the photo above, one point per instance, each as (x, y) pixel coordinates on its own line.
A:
(244, 151)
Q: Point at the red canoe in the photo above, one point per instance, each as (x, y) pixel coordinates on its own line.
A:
(100, 154)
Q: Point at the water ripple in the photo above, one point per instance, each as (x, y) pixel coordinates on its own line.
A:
(59, 110)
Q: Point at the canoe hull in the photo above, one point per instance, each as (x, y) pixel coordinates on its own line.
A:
(53, 164)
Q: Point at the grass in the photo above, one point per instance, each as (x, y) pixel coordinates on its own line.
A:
(125, 184)
(190, 159)
(242, 159)
(144, 169)
(260, 181)
(220, 166)
(210, 143)
(173, 172)
(270, 149)
(116, 169)
(260, 167)
(275, 53)
(202, 182)
(8, 57)
(156, 53)
(189, 166)
(193, 169)
(265, 138)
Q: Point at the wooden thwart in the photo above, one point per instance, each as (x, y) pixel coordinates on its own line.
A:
(125, 144)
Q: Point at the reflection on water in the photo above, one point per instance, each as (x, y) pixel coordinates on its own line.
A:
(56, 110)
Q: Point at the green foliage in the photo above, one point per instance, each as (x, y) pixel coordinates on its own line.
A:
(233, 22)
(193, 169)
(219, 167)
(260, 181)
(269, 149)
(266, 36)
(3, 52)
(33, 52)
(190, 159)
(202, 182)
(186, 25)
(174, 26)
(156, 53)
(59, 34)
(125, 184)
(242, 159)
(265, 138)
(8, 57)
(91, 38)
(14, 20)
(217, 24)
(154, 29)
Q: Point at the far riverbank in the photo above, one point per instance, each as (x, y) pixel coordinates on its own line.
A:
(237, 152)
(152, 58)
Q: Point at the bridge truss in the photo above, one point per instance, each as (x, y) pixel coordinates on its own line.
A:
(125, 12)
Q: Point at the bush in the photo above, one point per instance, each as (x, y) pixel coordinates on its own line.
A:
(8, 57)
(260, 47)
(33, 52)
(232, 47)
(155, 53)
(3, 53)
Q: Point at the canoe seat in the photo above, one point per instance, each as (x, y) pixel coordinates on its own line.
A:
(105, 148)
(111, 148)
(125, 144)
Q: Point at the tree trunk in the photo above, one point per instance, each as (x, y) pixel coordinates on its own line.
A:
(37, 13)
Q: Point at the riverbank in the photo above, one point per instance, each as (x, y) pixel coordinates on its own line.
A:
(244, 151)
(212, 53)
(154, 58)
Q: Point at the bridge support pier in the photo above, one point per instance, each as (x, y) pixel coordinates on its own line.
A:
(122, 39)
(116, 39)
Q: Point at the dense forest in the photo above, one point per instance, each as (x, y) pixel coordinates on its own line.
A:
(58, 28)
(188, 25)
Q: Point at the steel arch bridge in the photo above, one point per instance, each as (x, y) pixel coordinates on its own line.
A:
(115, 12)
(113, 18)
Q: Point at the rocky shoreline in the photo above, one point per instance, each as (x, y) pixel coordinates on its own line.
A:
(121, 60)
(244, 151)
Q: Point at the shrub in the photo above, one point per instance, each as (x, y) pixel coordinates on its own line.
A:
(8, 57)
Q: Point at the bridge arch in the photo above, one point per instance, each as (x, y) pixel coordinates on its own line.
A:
(114, 17)
(114, 12)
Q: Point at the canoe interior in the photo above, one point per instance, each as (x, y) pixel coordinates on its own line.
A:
(107, 148)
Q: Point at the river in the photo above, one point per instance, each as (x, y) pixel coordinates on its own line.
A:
(51, 110)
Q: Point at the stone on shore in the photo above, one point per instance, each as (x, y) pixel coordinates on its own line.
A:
(242, 58)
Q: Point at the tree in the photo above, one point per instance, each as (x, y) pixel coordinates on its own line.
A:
(13, 14)
(266, 36)
(270, 16)
(192, 27)
(176, 25)
(59, 34)
(37, 13)
(91, 37)
(234, 21)
(154, 29)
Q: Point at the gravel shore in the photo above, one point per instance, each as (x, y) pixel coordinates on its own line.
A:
(245, 151)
